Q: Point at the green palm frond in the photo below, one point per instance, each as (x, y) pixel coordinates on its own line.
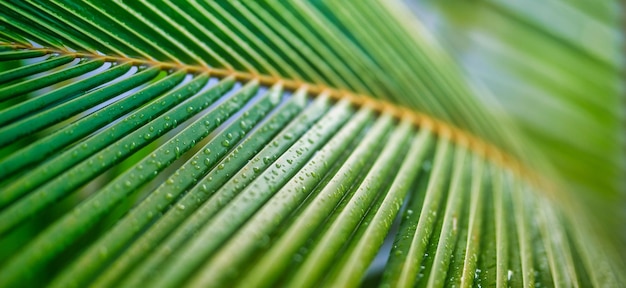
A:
(168, 143)
(570, 53)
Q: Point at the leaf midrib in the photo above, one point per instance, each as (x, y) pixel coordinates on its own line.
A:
(439, 127)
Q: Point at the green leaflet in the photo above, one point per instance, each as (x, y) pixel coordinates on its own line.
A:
(14, 90)
(300, 144)
(20, 72)
(13, 55)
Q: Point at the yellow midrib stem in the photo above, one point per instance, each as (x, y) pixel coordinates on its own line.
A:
(441, 128)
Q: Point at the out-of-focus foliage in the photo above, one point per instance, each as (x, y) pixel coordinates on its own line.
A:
(557, 68)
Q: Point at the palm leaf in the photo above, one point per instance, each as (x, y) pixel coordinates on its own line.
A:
(293, 144)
